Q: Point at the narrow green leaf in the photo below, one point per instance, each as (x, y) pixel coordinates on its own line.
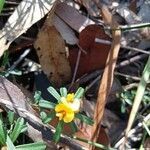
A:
(54, 93)
(79, 93)
(85, 119)
(46, 104)
(11, 115)
(129, 101)
(24, 128)
(58, 131)
(32, 146)
(2, 132)
(17, 129)
(5, 59)
(73, 127)
(146, 128)
(1, 4)
(46, 118)
(9, 143)
(37, 96)
(63, 92)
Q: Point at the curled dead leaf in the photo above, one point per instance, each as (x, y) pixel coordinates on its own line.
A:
(96, 52)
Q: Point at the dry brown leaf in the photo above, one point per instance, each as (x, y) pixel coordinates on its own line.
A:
(97, 53)
(25, 15)
(66, 32)
(107, 78)
(52, 54)
(72, 17)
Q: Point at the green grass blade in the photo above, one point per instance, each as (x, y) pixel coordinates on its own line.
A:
(2, 132)
(1, 4)
(139, 95)
(32, 146)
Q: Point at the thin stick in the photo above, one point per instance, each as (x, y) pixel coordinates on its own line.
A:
(76, 68)
(97, 40)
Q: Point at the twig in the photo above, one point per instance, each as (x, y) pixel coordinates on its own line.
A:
(131, 60)
(12, 2)
(130, 27)
(128, 76)
(131, 132)
(122, 46)
(22, 56)
(130, 86)
(76, 68)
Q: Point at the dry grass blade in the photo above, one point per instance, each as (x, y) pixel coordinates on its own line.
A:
(107, 78)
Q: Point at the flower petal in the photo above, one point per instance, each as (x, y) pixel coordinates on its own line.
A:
(75, 106)
(68, 117)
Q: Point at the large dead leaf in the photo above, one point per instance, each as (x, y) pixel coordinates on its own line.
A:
(26, 14)
(52, 55)
(96, 52)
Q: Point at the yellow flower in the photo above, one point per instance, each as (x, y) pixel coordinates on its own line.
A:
(67, 108)
(64, 111)
(74, 104)
(70, 97)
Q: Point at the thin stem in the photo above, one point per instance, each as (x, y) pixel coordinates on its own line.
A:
(93, 143)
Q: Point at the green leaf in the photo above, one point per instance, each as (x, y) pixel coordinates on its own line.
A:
(85, 119)
(47, 118)
(5, 59)
(9, 143)
(32, 146)
(11, 115)
(58, 131)
(46, 104)
(128, 101)
(1, 4)
(63, 92)
(24, 128)
(17, 129)
(37, 96)
(54, 93)
(3, 132)
(73, 127)
(79, 93)
(123, 107)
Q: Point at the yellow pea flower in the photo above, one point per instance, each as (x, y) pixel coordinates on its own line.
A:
(64, 111)
(67, 108)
